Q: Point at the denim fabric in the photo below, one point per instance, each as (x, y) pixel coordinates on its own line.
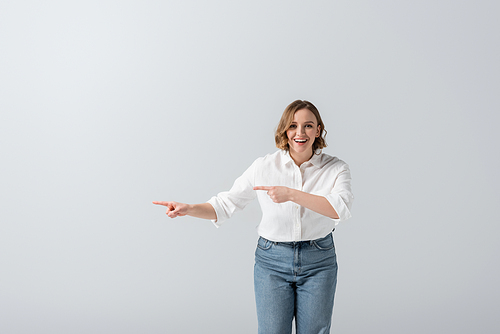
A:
(295, 279)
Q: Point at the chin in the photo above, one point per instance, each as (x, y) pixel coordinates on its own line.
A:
(302, 149)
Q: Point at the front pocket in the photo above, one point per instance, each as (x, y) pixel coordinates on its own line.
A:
(325, 243)
(264, 244)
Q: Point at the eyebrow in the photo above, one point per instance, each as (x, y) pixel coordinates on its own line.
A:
(304, 122)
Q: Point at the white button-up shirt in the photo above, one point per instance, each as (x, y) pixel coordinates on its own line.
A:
(322, 175)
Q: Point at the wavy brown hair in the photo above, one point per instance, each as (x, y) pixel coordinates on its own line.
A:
(286, 120)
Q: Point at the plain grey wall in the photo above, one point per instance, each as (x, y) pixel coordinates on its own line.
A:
(109, 105)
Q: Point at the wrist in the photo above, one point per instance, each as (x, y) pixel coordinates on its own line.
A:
(292, 194)
(190, 209)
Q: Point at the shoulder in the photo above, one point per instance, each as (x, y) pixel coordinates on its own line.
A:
(326, 161)
(270, 161)
(271, 158)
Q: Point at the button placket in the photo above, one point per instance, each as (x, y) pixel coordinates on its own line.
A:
(298, 186)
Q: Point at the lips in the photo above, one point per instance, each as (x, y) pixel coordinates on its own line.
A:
(300, 141)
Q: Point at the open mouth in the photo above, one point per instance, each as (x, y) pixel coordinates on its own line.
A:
(300, 141)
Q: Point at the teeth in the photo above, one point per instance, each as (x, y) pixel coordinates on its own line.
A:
(300, 140)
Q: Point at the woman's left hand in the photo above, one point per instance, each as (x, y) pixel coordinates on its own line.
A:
(278, 194)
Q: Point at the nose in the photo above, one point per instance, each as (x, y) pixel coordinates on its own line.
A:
(301, 130)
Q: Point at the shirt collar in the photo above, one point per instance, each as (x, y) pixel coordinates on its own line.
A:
(285, 157)
(315, 159)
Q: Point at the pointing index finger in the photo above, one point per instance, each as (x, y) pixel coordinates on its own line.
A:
(161, 203)
(262, 188)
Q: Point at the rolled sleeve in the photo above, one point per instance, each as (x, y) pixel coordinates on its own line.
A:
(237, 198)
(218, 211)
(341, 197)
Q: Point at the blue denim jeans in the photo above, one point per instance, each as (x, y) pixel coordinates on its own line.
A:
(295, 280)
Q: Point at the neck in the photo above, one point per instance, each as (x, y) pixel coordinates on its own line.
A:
(300, 158)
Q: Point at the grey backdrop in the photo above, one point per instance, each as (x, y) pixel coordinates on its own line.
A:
(109, 105)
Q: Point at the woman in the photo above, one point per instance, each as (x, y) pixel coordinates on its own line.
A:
(303, 194)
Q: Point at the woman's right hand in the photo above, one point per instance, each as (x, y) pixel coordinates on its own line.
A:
(174, 209)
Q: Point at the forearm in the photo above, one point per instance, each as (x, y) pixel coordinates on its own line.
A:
(203, 210)
(315, 203)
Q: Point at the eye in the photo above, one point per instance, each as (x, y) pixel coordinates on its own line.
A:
(292, 126)
(309, 126)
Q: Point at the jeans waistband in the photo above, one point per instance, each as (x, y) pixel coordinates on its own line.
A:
(294, 243)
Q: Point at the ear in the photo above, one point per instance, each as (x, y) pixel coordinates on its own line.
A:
(318, 131)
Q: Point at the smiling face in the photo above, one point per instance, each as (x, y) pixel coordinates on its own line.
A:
(302, 133)
(299, 112)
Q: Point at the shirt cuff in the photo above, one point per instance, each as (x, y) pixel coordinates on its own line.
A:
(340, 206)
(217, 221)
